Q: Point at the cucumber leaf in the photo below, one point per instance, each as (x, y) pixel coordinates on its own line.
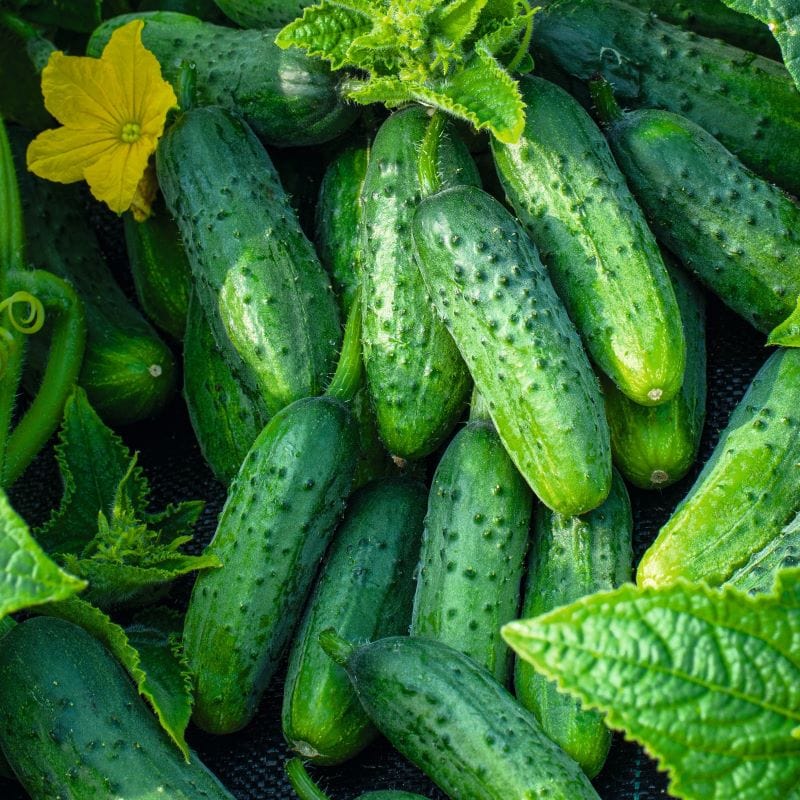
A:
(707, 680)
(782, 17)
(787, 333)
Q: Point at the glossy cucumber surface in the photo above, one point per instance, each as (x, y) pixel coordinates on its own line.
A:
(262, 13)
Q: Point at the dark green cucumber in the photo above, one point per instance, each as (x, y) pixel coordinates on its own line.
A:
(654, 447)
(748, 102)
(572, 199)
(257, 276)
(262, 13)
(366, 590)
(338, 228)
(226, 414)
(128, 372)
(73, 727)
(280, 514)
(572, 557)
(732, 526)
(6, 624)
(493, 293)
(161, 272)
(450, 717)
(288, 98)
(738, 233)
(473, 548)
(417, 379)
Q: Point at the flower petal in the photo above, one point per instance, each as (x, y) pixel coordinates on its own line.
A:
(62, 154)
(113, 178)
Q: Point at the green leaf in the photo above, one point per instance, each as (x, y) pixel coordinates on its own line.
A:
(707, 680)
(166, 694)
(458, 19)
(783, 19)
(788, 332)
(27, 576)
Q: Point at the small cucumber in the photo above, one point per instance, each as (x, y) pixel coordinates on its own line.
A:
(654, 447)
(280, 514)
(257, 276)
(262, 13)
(492, 291)
(225, 413)
(452, 719)
(731, 525)
(366, 589)
(86, 734)
(417, 379)
(738, 233)
(572, 199)
(572, 557)
(288, 98)
(473, 548)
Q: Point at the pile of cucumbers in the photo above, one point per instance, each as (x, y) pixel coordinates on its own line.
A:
(425, 397)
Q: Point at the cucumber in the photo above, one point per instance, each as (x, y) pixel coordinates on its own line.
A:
(572, 199)
(86, 734)
(288, 98)
(366, 589)
(161, 272)
(225, 413)
(262, 13)
(738, 233)
(451, 718)
(128, 372)
(473, 548)
(493, 293)
(748, 102)
(654, 447)
(731, 525)
(417, 379)
(338, 221)
(572, 557)
(256, 275)
(280, 514)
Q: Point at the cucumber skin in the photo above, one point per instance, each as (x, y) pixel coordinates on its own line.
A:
(573, 557)
(748, 102)
(473, 549)
(366, 590)
(87, 734)
(280, 514)
(417, 379)
(255, 272)
(262, 13)
(450, 717)
(226, 415)
(654, 447)
(570, 196)
(746, 493)
(738, 233)
(288, 98)
(492, 291)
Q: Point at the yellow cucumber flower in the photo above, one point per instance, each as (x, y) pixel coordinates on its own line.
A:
(112, 110)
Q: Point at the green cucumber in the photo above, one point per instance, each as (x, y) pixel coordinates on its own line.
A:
(288, 98)
(225, 413)
(128, 372)
(748, 102)
(280, 514)
(731, 527)
(262, 13)
(417, 379)
(73, 727)
(161, 272)
(338, 221)
(654, 447)
(572, 557)
(473, 548)
(257, 276)
(492, 291)
(738, 233)
(572, 199)
(451, 718)
(366, 589)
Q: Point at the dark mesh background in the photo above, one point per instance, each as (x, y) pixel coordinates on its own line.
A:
(250, 763)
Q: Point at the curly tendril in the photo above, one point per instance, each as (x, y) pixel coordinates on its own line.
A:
(28, 324)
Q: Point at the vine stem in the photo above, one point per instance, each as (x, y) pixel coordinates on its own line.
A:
(347, 378)
(301, 781)
(428, 169)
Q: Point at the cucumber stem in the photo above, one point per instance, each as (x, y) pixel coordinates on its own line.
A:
(347, 378)
(479, 408)
(602, 92)
(12, 235)
(428, 169)
(301, 781)
(185, 86)
(335, 646)
(38, 48)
